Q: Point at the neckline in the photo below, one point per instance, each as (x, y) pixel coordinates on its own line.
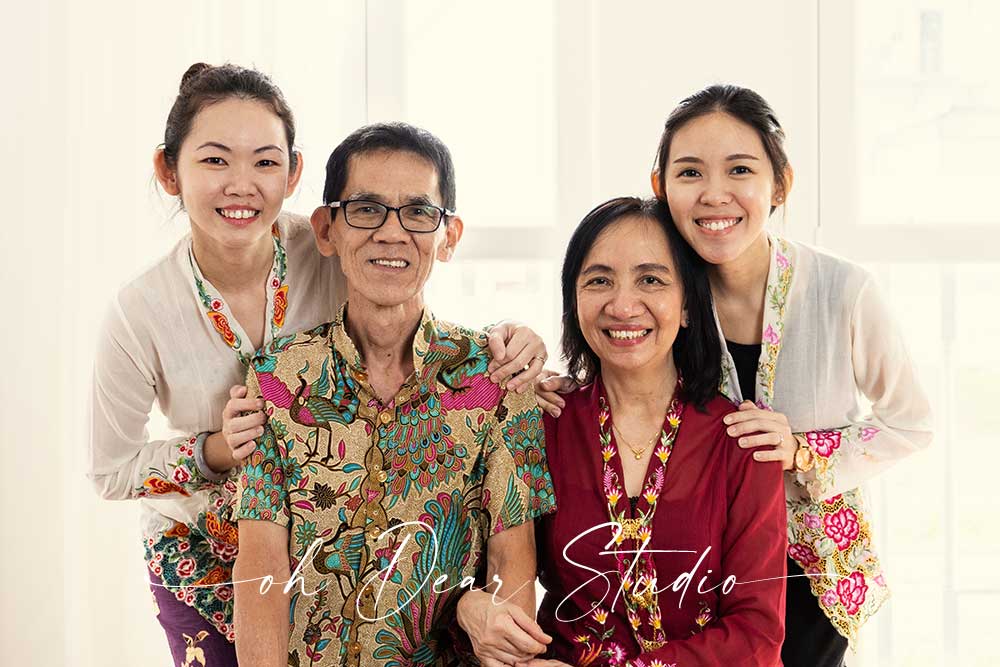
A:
(652, 463)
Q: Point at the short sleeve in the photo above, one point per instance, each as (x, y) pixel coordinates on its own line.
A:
(262, 492)
(517, 480)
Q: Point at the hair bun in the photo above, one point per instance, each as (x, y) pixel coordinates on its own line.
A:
(193, 73)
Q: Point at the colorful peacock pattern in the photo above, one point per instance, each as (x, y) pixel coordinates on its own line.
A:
(391, 494)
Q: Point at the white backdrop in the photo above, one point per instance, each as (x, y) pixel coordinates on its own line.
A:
(549, 107)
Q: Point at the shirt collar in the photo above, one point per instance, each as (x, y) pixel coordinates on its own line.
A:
(427, 335)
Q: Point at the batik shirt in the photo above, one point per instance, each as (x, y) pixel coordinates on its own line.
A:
(170, 338)
(453, 455)
(828, 339)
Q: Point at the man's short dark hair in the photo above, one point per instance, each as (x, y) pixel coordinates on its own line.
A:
(392, 137)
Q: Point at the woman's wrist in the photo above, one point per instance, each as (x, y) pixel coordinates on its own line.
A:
(218, 458)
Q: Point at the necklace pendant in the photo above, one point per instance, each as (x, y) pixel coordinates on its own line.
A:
(638, 455)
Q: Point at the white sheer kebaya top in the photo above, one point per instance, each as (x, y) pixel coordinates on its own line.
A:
(169, 337)
(828, 342)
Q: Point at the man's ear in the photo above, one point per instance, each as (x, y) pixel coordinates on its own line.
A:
(657, 183)
(165, 175)
(453, 233)
(322, 224)
(294, 175)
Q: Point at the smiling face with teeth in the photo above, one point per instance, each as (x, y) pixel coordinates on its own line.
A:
(630, 298)
(389, 266)
(232, 174)
(720, 186)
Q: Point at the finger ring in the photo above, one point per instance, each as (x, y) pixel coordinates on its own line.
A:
(540, 357)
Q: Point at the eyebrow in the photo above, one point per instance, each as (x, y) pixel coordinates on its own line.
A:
(596, 268)
(223, 147)
(409, 199)
(602, 268)
(734, 156)
(652, 266)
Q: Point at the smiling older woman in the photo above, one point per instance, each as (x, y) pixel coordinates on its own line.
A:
(673, 550)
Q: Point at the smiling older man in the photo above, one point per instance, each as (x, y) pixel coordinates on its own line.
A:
(390, 463)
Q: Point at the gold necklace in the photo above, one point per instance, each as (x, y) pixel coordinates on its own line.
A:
(637, 453)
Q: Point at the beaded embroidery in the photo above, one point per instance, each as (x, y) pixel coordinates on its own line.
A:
(638, 579)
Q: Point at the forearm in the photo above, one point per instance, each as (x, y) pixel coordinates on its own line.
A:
(511, 559)
(261, 605)
(218, 457)
(261, 619)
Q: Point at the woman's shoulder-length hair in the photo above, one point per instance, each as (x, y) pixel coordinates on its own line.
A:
(697, 349)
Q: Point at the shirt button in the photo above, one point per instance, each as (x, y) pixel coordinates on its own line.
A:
(385, 418)
(382, 476)
(354, 648)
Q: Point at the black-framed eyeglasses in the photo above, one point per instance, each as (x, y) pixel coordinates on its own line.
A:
(416, 218)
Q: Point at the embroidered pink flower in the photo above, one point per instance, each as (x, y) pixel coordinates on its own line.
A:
(782, 260)
(224, 593)
(867, 433)
(224, 552)
(771, 336)
(824, 443)
(275, 282)
(181, 475)
(801, 553)
(829, 599)
(880, 580)
(851, 590)
(812, 521)
(216, 304)
(842, 527)
(185, 568)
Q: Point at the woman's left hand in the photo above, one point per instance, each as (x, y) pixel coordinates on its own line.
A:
(518, 355)
(768, 427)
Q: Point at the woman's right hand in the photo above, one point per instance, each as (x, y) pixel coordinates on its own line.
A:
(238, 429)
(501, 634)
(548, 386)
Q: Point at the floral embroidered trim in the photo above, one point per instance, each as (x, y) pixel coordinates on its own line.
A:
(777, 297)
(831, 542)
(216, 308)
(641, 598)
(195, 565)
(829, 445)
(183, 478)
